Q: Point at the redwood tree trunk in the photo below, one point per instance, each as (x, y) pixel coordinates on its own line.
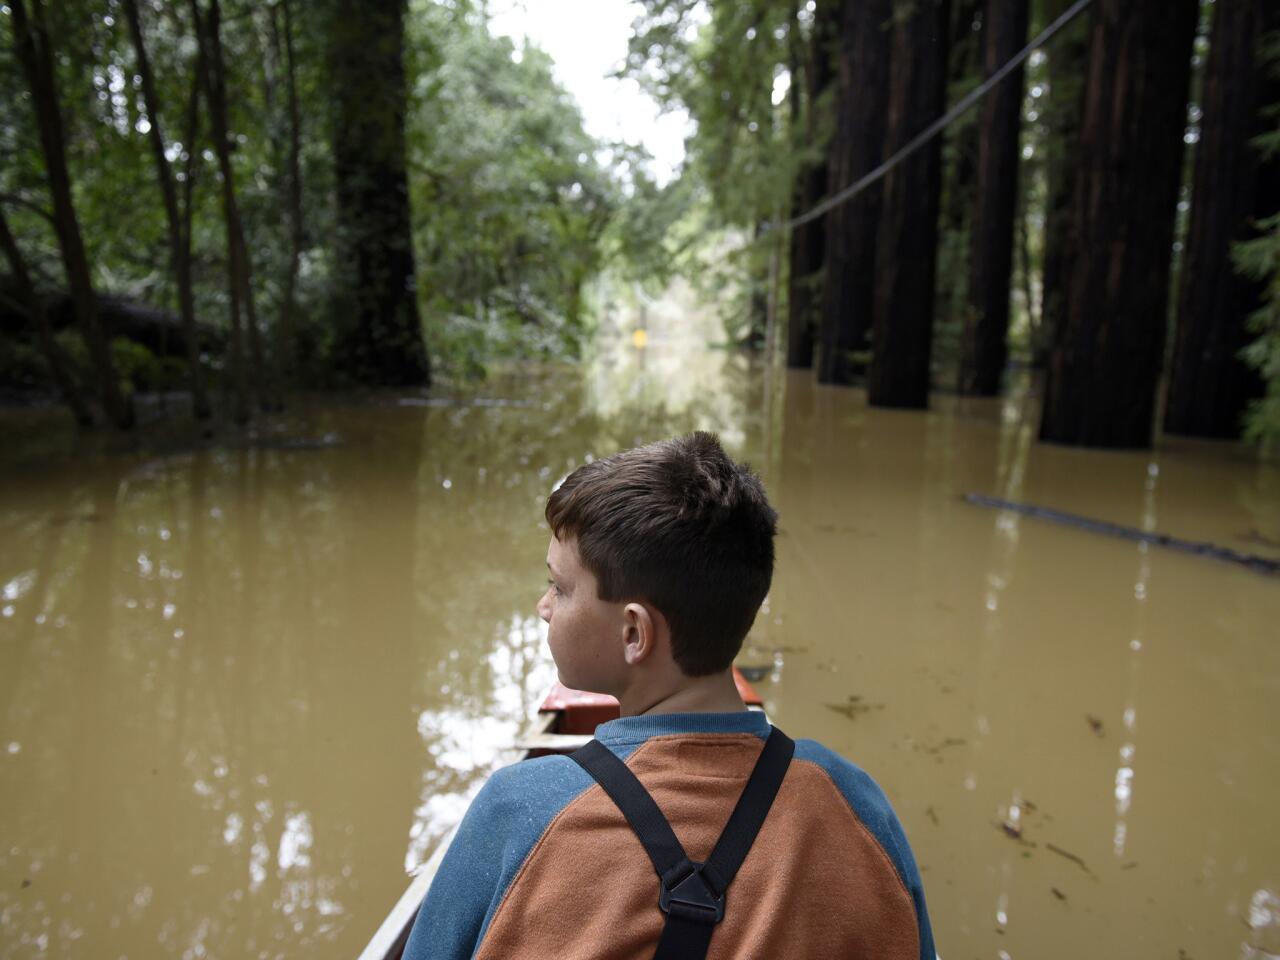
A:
(180, 263)
(1210, 386)
(983, 347)
(959, 164)
(380, 335)
(908, 240)
(288, 328)
(35, 53)
(1068, 66)
(808, 240)
(209, 34)
(856, 149)
(1106, 360)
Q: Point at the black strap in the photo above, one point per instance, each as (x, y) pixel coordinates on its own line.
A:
(692, 894)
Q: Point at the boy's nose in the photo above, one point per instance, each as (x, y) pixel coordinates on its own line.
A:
(544, 607)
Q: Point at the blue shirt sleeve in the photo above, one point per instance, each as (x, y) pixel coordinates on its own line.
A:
(873, 809)
(503, 824)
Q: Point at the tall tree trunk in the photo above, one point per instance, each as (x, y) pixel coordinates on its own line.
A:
(30, 301)
(984, 350)
(856, 149)
(379, 335)
(808, 240)
(35, 53)
(164, 174)
(239, 276)
(959, 165)
(288, 333)
(908, 241)
(1210, 385)
(1107, 355)
(1068, 66)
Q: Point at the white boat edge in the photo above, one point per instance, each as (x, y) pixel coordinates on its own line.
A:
(393, 934)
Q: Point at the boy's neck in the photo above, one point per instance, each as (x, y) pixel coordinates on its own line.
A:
(713, 694)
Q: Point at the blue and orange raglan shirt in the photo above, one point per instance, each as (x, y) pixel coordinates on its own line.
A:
(545, 867)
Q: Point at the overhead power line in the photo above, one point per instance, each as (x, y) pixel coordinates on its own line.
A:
(935, 128)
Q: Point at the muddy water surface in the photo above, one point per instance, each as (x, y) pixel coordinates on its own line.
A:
(244, 689)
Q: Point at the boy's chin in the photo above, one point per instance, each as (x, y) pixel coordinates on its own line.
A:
(581, 684)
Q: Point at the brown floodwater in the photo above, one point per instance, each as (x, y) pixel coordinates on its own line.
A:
(245, 688)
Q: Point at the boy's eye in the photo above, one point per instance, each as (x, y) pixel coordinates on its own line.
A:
(555, 588)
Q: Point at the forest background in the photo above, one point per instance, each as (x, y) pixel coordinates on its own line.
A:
(230, 203)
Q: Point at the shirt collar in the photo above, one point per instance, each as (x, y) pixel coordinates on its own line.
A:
(641, 728)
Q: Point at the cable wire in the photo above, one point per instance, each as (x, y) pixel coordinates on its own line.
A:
(935, 128)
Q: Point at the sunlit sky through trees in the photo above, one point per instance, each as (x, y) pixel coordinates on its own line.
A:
(587, 39)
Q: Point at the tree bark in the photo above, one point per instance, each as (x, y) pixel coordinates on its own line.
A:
(379, 333)
(1106, 360)
(35, 53)
(239, 269)
(164, 174)
(808, 240)
(908, 240)
(1068, 66)
(288, 331)
(30, 302)
(959, 163)
(1210, 385)
(856, 149)
(984, 349)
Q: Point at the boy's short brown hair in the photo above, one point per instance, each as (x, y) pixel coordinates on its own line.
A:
(681, 525)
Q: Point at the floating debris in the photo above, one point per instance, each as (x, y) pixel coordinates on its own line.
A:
(932, 815)
(1095, 724)
(26, 882)
(1264, 565)
(1070, 856)
(1057, 893)
(1011, 829)
(855, 707)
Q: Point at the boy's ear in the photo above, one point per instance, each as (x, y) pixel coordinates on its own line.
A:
(641, 625)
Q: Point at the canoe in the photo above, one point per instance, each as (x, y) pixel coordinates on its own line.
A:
(566, 721)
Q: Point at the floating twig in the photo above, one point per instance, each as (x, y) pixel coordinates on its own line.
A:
(1264, 565)
(1070, 856)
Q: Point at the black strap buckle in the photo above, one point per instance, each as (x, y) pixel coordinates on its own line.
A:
(692, 899)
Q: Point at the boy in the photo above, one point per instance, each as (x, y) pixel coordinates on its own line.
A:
(659, 559)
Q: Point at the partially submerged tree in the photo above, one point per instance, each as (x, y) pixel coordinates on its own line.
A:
(1108, 351)
(35, 52)
(379, 340)
(815, 64)
(862, 93)
(984, 348)
(179, 245)
(1235, 188)
(1068, 66)
(908, 239)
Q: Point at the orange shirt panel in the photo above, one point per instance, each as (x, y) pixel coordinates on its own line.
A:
(816, 883)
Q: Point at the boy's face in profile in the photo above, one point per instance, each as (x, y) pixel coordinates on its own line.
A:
(585, 633)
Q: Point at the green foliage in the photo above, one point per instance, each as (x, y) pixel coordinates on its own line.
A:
(510, 202)
(142, 371)
(728, 65)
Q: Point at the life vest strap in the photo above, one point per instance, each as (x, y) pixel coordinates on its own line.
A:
(692, 894)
